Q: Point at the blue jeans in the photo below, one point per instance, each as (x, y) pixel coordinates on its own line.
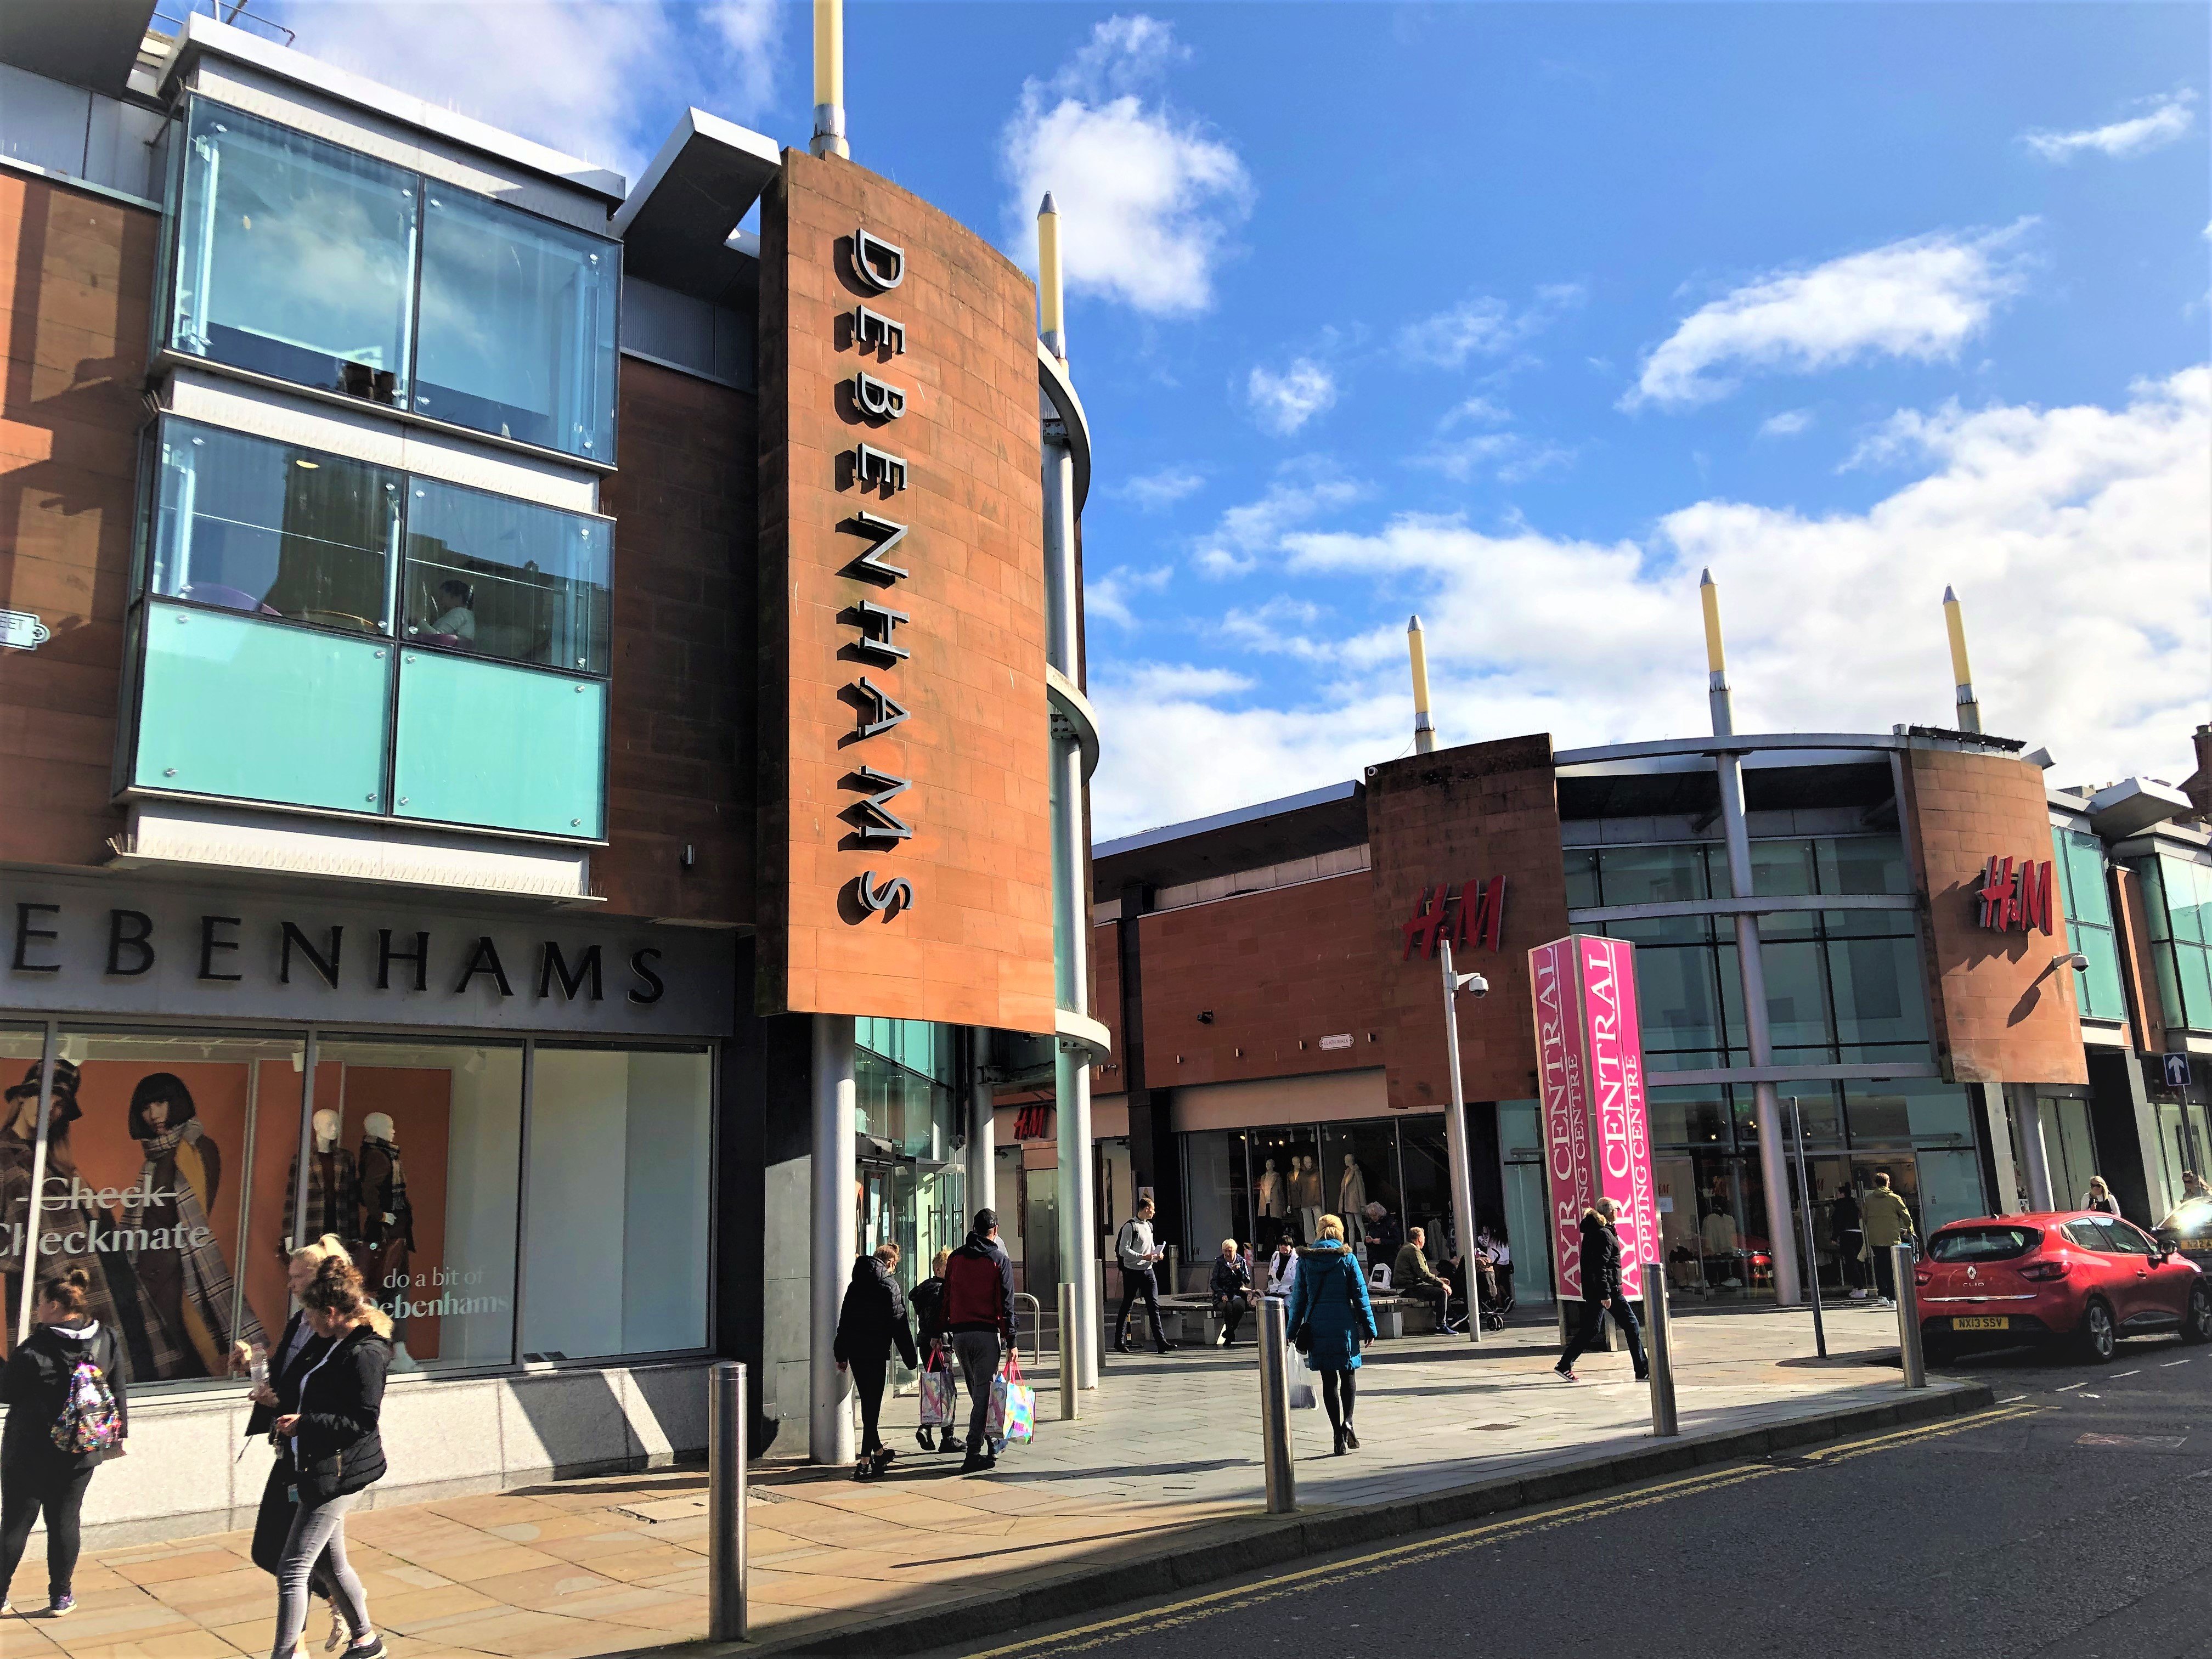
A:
(1624, 1314)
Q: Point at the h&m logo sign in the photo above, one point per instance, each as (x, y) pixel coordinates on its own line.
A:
(2015, 897)
(1472, 913)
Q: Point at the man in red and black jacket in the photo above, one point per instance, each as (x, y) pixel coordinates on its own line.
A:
(979, 1316)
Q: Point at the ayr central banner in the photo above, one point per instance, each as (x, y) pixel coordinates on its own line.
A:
(1597, 1135)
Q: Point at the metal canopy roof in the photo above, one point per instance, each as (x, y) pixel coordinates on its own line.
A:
(86, 43)
(676, 224)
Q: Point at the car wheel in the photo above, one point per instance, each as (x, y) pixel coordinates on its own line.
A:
(2096, 1340)
(2197, 1323)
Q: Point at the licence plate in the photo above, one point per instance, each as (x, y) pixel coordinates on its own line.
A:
(1983, 1322)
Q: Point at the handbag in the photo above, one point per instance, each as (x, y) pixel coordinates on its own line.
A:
(1013, 1405)
(937, 1390)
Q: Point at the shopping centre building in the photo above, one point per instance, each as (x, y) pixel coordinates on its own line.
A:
(542, 733)
(1989, 987)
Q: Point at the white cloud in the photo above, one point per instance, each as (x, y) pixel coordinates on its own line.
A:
(1788, 424)
(1482, 326)
(1479, 409)
(1506, 455)
(1146, 197)
(2169, 118)
(1282, 626)
(1244, 531)
(1921, 298)
(596, 79)
(1283, 402)
(2054, 525)
(1109, 596)
(1153, 492)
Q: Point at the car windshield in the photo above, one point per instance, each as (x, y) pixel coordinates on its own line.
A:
(2189, 1220)
(1983, 1243)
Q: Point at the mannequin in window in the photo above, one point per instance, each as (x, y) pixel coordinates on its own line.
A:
(333, 1189)
(387, 1226)
(1305, 1197)
(1273, 1206)
(1352, 1199)
(19, 1133)
(456, 621)
(180, 1324)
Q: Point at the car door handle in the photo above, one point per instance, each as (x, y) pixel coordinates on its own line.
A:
(2142, 1272)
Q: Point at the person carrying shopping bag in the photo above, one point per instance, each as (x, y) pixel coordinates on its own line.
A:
(979, 1314)
(1602, 1292)
(1887, 1222)
(1331, 1320)
(936, 1345)
(873, 1319)
(67, 1411)
(332, 1451)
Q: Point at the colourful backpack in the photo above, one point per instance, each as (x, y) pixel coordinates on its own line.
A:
(90, 1422)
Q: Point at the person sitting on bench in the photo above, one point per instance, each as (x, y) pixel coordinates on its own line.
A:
(1411, 1275)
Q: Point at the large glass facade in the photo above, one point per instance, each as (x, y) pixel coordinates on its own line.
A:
(912, 1187)
(183, 1167)
(300, 259)
(1260, 1186)
(2178, 898)
(272, 581)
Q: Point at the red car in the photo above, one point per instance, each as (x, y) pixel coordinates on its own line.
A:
(2073, 1276)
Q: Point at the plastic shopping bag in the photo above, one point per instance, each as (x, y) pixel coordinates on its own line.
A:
(1013, 1405)
(939, 1392)
(1301, 1380)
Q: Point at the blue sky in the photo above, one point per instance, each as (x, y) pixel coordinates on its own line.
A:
(1521, 315)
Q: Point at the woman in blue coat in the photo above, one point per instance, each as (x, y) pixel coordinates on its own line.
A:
(1331, 1321)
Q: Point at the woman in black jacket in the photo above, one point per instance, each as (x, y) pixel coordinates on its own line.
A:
(873, 1318)
(36, 1473)
(1602, 1292)
(331, 1450)
(931, 1336)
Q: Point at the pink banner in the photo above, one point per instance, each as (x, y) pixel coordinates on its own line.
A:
(1597, 1135)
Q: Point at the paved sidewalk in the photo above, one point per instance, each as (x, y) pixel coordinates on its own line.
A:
(1165, 1458)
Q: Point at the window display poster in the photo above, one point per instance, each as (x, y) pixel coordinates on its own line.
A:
(404, 1260)
(142, 1191)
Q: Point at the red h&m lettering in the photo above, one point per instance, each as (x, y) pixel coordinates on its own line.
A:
(2031, 905)
(2016, 894)
(1481, 918)
(1997, 894)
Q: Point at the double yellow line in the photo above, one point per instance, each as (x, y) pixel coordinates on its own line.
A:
(1194, 1608)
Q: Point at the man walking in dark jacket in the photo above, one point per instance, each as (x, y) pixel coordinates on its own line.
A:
(979, 1315)
(1602, 1292)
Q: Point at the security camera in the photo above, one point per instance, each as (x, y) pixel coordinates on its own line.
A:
(2074, 960)
(1473, 985)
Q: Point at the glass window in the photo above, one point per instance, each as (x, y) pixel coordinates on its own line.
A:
(1677, 997)
(294, 258)
(1919, 1108)
(1796, 998)
(1525, 1234)
(505, 578)
(273, 530)
(2184, 900)
(166, 1168)
(1983, 1243)
(1654, 875)
(1427, 1173)
(517, 326)
(1582, 892)
(1520, 1132)
(1950, 1188)
(1686, 1116)
(1862, 864)
(418, 1146)
(1877, 990)
(1359, 1167)
(619, 1156)
(1662, 929)
(1783, 869)
(1213, 1173)
(2126, 1240)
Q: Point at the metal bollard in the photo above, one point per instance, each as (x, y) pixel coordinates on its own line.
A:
(1068, 1400)
(1664, 1425)
(1275, 1406)
(1908, 1316)
(726, 1503)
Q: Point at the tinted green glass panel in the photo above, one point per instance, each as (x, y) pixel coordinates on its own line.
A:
(1877, 990)
(1662, 930)
(1862, 864)
(2099, 986)
(2193, 968)
(1676, 995)
(1653, 875)
(2087, 897)
(234, 706)
(2185, 899)
(2153, 877)
(1783, 869)
(497, 577)
(507, 748)
(1582, 879)
(1797, 1001)
(1688, 1116)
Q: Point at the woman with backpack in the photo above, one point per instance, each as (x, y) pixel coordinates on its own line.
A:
(330, 1451)
(67, 1411)
(1331, 1320)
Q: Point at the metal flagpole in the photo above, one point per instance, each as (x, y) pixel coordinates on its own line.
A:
(1805, 1198)
(1463, 1172)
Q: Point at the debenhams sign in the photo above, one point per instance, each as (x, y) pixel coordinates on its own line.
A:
(107, 947)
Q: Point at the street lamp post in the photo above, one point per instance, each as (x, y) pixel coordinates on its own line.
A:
(1462, 1171)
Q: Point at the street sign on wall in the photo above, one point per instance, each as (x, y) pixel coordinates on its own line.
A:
(1597, 1133)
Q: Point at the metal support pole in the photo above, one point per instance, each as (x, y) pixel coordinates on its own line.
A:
(982, 1134)
(49, 1052)
(1773, 1158)
(1070, 1404)
(1908, 1316)
(1275, 1406)
(831, 1239)
(2034, 1154)
(1805, 1199)
(1462, 1171)
(726, 1503)
(1664, 1425)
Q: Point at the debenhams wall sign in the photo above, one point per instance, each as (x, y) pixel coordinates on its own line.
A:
(100, 947)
